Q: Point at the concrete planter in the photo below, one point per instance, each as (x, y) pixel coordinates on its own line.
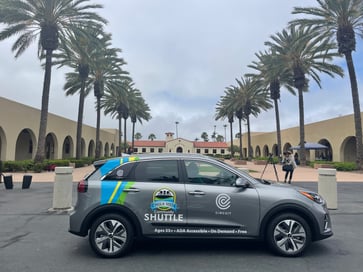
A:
(240, 162)
(259, 162)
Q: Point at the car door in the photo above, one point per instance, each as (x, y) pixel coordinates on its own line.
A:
(215, 205)
(154, 193)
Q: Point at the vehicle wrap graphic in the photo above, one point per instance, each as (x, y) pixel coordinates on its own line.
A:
(164, 200)
(114, 191)
(112, 164)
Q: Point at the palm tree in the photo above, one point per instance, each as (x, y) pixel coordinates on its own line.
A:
(152, 137)
(204, 136)
(138, 136)
(49, 21)
(106, 74)
(115, 102)
(272, 77)
(139, 110)
(251, 98)
(340, 20)
(223, 110)
(77, 54)
(304, 55)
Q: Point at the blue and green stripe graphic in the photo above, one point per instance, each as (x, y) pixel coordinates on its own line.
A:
(113, 191)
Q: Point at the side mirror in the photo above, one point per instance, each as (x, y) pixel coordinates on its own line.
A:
(242, 183)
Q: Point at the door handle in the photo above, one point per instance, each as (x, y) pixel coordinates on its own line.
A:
(197, 193)
(133, 190)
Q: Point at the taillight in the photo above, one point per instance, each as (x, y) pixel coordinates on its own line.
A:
(82, 186)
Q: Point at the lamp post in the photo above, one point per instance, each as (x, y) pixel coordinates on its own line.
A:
(214, 133)
(176, 129)
(225, 134)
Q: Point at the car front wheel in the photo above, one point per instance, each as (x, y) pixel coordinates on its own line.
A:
(288, 235)
(111, 236)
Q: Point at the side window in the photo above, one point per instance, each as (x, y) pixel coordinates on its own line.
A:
(157, 171)
(120, 172)
(200, 172)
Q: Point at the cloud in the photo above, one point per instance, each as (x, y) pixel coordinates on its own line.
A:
(182, 55)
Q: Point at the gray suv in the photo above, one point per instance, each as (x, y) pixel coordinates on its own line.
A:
(183, 195)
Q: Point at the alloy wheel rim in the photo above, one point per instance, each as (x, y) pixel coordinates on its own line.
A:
(290, 236)
(110, 236)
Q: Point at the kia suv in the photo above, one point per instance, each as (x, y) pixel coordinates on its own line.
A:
(184, 195)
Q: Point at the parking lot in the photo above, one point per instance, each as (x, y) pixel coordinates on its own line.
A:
(35, 239)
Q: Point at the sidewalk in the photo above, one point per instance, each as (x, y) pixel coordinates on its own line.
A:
(306, 174)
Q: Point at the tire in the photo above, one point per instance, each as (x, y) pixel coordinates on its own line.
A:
(288, 235)
(111, 236)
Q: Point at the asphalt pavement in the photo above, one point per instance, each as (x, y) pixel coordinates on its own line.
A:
(33, 238)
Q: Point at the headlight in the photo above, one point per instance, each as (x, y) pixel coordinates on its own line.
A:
(313, 196)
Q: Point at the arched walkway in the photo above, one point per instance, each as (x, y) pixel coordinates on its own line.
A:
(67, 148)
(348, 149)
(25, 145)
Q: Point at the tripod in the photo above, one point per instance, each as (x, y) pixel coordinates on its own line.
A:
(270, 160)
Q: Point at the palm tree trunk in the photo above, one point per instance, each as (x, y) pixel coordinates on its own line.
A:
(125, 146)
(240, 139)
(133, 136)
(278, 129)
(40, 155)
(302, 154)
(231, 131)
(356, 108)
(119, 134)
(249, 139)
(98, 144)
(80, 122)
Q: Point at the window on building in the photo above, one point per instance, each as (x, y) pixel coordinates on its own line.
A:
(214, 151)
(143, 150)
(222, 151)
(135, 150)
(206, 151)
(160, 150)
(198, 150)
(152, 150)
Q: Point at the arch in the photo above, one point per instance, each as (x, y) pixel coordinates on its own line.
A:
(107, 150)
(112, 150)
(51, 146)
(275, 150)
(179, 149)
(324, 154)
(3, 145)
(68, 147)
(91, 149)
(83, 148)
(101, 148)
(286, 147)
(348, 149)
(266, 151)
(25, 145)
(258, 151)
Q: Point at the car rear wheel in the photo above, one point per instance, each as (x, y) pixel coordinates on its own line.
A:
(288, 235)
(111, 236)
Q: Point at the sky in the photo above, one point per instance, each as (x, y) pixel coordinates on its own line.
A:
(182, 55)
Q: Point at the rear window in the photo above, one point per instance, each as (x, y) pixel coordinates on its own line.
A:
(121, 172)
(157, 171)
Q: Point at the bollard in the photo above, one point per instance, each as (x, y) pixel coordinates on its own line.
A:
(8, 181)
(62, 190)
(327, 186)
(27, 180)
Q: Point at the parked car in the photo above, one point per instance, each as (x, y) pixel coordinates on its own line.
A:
(183, 195)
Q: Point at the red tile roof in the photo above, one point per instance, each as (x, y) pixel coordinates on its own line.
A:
(210, 145)
(149, 143)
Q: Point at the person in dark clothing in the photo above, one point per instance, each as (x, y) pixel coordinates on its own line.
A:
(288, 165)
